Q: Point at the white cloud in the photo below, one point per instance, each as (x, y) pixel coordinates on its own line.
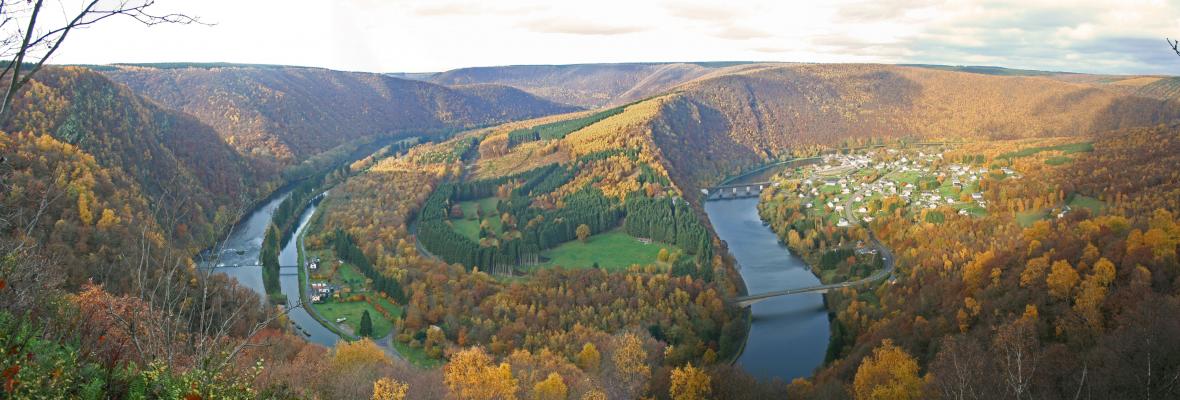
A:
(1109, 36)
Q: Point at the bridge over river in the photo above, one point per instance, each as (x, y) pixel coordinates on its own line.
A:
(749, 300)
(736, 191)
(886, 256)
(283, 269)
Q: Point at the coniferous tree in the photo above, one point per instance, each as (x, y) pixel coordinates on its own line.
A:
(366, 328)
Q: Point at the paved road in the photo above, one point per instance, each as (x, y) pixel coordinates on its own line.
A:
(386, 343)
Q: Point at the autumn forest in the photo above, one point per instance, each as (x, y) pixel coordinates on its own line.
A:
(250, 231)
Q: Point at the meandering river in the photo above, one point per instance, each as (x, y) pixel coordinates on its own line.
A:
(788, 335)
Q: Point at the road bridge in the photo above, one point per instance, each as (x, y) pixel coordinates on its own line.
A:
(736, 191)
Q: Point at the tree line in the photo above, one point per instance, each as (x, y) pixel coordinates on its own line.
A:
(558, 130)
(347, 250)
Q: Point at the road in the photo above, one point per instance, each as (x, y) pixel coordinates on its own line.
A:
(386, 343)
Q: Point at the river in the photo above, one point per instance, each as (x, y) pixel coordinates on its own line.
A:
(307, 326)
(788, 335)
(239, 259)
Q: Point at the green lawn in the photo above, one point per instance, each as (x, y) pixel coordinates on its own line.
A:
(971, 207)
(613, 251)
(469, 226)
(1026, 218)
(332, 310)
(1059, 160)
(416, 356)
(1094, 205)
(905, 177)
(1069, 148)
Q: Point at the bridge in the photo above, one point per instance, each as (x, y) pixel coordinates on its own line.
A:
(736, 191)
(886, 256)
(284, 270)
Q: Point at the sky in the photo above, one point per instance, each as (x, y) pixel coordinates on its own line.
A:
(1095, 36)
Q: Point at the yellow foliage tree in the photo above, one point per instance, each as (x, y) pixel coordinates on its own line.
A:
(589, 358)
(108, 219)
(84, 212)
(583, 232)
(1062, 279)
(689, 383)
(890, 373)
(470, 375)
(630, 362)
(363, 353)
(389, 389)
(552, 388)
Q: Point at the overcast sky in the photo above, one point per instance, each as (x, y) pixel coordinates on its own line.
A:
(1124, 36)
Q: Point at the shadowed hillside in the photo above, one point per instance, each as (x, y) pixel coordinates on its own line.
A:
(757, 112)
(286, 113)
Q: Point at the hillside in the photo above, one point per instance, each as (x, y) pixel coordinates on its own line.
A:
(748, 114)
(289, 113)
(585, 85)
(191, 177)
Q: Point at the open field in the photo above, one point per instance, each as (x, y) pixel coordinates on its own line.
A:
(416, 355)
(1058, 160)
(1094, 205)
(1026, 218)
(613, 251)
(468, 225)
(1069, 148)
(331, 310)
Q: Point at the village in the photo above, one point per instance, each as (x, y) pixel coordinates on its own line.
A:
(853, 188)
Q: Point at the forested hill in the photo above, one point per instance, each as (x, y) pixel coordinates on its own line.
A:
(289, 113)
(712, 127)
(190, 177)
(587, 85)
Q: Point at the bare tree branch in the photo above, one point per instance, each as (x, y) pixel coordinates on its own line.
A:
(25, 38)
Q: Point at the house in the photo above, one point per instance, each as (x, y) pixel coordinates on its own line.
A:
(868, 219)
(862, 210)
(963, 212)
(843, 223)
(977, 196)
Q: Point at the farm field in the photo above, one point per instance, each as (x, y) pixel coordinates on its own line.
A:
(613, 251)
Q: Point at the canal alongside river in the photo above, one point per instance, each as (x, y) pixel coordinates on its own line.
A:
(238, 259)
(788, 335)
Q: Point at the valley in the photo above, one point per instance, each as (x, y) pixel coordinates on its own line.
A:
(537, 228)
